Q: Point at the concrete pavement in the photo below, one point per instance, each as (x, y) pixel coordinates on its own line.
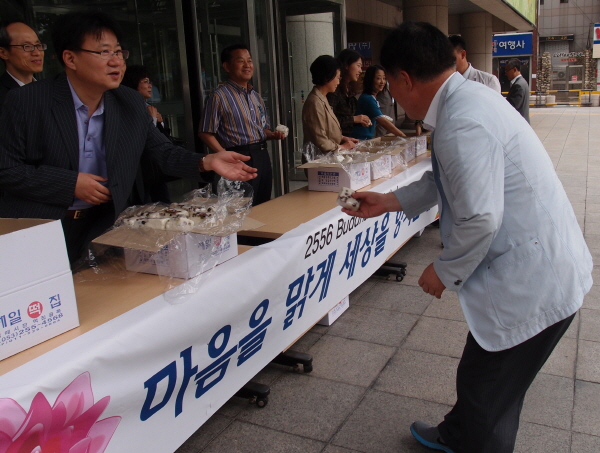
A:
(391, 358)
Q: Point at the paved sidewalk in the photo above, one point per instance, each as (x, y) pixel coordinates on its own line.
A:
(391, 358)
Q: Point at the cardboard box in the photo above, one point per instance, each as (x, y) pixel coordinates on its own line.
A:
(37, 298)
(177, 254)
(333, 177)
(421, 145)
(186, 256)
(410, 152)
(335, 312)
(397, 160)
(381, 167)
(397, 151)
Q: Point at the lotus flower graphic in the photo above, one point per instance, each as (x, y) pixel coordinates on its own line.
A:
(70, 426)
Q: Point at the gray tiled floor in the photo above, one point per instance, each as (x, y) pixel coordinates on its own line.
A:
(391, 358)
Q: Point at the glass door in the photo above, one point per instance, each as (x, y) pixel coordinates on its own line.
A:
(221, 23)
(225, 22)
(305, 30)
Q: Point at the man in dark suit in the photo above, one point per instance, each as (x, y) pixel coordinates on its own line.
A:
(518, 95)
(71, 146)
(23, 56)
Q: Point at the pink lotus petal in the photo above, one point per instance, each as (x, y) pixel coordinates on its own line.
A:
(61, 440)
(55, 444)
(40, 413)
(85, 421)
(83, 446)
(28, 440)
(59, 417)
(102, 432)
(77, 397)
(5, 442)
(12, 416)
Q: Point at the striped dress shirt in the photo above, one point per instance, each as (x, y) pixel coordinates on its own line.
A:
(236, 115)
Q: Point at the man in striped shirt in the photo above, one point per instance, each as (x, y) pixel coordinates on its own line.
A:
(235, 119)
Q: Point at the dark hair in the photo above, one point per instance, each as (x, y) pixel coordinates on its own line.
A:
(324, 69)
(133, 75)
(369, 79)
(418, 48)
(227, 52)
(5, 38)
(513, 63)
(71, 29)
(457, 42)
(346, 57)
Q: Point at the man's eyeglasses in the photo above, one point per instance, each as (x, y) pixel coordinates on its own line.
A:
(108, 54)
(30, 47)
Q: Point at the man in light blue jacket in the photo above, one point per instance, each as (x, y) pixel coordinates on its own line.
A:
(513, 250)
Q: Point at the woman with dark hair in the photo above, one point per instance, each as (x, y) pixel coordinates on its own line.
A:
(137, 78)
(373, 83)
(320, 124)
(154, 181)
(342, 100)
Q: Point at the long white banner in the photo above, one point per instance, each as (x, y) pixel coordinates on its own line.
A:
(165, 368)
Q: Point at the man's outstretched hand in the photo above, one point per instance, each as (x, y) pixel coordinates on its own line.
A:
(373, 204)
(230, 165)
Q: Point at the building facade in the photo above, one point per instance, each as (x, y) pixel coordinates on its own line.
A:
(566, 30)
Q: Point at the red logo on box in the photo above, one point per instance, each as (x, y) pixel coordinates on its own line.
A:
(35, 309)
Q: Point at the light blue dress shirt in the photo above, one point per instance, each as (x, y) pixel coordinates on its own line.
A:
(92, 153)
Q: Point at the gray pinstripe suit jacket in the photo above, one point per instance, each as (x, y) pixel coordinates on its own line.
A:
(39, 149)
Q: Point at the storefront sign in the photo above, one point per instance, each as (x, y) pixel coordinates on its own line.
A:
(568, 54)
(363, 48)
(596, 53)
(365, 51)
(146, 380)
(513, 44)
(557, 38)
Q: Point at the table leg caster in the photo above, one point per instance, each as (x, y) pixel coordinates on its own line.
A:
(255, 393)
(295, 359)
(392, 270)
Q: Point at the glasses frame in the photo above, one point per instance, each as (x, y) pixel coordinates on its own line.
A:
(40, 47)
(108, 54)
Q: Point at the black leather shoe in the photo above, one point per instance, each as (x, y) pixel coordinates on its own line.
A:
(429, 436)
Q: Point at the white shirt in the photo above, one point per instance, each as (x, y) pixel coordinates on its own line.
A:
(515, 79)
(431, 117)
(467, 72)
(489, 80)
(17, 80)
